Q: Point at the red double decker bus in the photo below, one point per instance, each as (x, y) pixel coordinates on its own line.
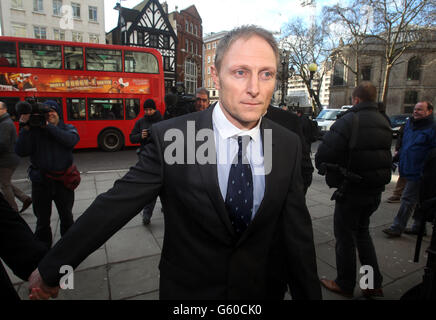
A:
(101, 87)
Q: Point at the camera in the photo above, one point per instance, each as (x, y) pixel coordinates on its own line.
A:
(338, 177)
(184, 101)
(38, 112)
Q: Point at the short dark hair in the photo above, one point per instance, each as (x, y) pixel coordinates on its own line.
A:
(365, 91)
(202, 90)
(429, 105)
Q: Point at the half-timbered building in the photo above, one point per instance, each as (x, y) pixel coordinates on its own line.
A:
(147, 25)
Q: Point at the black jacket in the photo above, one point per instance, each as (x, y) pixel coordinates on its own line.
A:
(144, 123)
(371, 157)
(202, 257)
(291, 122)
(49, 148)
(18, 249)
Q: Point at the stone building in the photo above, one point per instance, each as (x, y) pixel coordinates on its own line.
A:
(413, 77)
(81, 20)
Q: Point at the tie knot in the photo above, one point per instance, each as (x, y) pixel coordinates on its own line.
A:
(243, 142)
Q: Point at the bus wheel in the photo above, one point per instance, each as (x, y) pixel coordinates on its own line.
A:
(111, 140)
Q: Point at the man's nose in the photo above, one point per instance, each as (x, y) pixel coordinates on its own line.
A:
(253, 85)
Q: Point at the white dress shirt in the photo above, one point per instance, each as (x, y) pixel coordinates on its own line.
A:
(227, 148)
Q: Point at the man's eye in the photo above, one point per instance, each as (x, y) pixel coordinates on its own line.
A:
(240, 73)
(266, 75)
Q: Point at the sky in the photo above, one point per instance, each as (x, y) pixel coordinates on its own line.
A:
(227, 14)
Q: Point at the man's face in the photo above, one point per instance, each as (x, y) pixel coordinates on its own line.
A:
(421, 111)
(149, 111)
(246, 81)
(3, 109)
(201, 101)
(53, 117)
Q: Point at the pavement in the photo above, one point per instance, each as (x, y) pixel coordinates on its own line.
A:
(126, 266)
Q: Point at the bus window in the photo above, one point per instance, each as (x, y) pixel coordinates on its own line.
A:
(76, 109)
(105, 109)
(132, 108)
(8, 54)
(140, 62)
(103, 60)
(40, 56)
(73, 58)
(10, 104)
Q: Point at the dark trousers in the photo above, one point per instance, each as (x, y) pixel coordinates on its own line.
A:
(351, 228)
(43, 194)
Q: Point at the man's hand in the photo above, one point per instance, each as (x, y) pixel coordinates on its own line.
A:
(38, 290)
(144, 134)
(24, 118)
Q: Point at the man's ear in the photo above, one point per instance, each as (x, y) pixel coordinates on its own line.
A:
(215, 76)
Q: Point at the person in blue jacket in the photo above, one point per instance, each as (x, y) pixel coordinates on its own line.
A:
(419, 138)
(50, 148)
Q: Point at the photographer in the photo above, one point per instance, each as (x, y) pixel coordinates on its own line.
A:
(141, 134)
(356, 153)
(50, 147)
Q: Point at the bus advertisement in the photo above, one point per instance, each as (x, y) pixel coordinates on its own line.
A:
(101, 88)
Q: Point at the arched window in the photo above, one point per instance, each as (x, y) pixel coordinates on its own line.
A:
(414, 69)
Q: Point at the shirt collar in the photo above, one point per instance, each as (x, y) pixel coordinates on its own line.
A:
(227, 130)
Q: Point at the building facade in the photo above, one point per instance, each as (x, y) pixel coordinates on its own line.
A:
(187, 24)
(298, 95)
(147, 25)
(210, 45)
(80, 20)
(412, 79)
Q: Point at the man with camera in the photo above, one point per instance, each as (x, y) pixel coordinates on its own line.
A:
(356, 158)
(49, 142)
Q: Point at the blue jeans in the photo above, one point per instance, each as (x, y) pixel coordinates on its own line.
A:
(409, 199)
(351, 228)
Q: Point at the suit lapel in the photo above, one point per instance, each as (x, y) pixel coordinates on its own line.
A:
(209, 175)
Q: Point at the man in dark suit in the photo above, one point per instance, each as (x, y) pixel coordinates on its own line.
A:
(18, 249)
(236, 223)
(290, 121)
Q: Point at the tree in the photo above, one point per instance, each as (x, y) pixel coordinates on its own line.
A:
(398, 26)
(348, 29)
(306, 45)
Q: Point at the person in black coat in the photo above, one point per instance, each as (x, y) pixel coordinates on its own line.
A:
(209, 252)
(141, 134)
(18, 249)
(291, 122)
(370, 158)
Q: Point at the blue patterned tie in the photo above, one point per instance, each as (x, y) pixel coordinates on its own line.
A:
(239, 197)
